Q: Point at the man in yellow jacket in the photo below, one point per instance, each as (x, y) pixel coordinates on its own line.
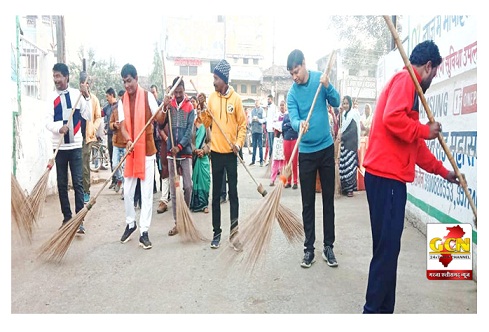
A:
(89, 129)
(225, 109)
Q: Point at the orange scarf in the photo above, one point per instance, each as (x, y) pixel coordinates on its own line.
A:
(135, 162)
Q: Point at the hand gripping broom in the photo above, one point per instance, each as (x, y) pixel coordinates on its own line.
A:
(290, 224)
(258, 231)
(56, 247)
(460, 176)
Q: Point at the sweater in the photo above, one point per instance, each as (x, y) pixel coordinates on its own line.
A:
(396, 141)
(59, 115)
(229, 113)
(299, 101)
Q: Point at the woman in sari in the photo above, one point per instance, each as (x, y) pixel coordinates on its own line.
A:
(201, 174)
(350, 137)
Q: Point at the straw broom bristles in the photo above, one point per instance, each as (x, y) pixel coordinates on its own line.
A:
(185, 223)
(37, 197)
(58, 244)
(254, 237)
(20, 210)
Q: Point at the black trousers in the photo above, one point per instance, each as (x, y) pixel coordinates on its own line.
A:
(224, 162)
(72, 159)
(309, 165)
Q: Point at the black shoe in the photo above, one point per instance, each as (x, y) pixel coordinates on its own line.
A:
(144, 241)
(64, 222)
(287, 185)
(294, 186)
(127, 232)
(329, 257)
(216, 241)
(308, 259)
(252, 163)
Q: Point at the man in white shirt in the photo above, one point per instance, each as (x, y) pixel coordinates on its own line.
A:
(271, 118)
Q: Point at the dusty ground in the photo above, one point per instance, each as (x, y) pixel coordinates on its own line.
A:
(99, 275)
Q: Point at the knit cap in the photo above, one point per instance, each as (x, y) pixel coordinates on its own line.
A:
(222, 70)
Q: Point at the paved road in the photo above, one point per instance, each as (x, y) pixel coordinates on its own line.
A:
(99, 275)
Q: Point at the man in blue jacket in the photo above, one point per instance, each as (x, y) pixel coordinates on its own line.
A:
(316, 151)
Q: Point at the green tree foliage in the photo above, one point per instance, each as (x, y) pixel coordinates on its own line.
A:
(156, 76)
(367, 39)
(103, 74)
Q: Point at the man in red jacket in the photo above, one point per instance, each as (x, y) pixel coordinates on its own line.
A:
(396, 144)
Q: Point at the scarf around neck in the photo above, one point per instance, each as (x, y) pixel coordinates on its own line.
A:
(135, 162)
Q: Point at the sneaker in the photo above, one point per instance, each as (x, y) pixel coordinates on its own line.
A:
(308, 259)
(112, 185)
(117, 186)
(287, 185)
(127, 232)
(216, 241)
(329, 257)
(294, 186)
(144, 241)
(252, 163)
(162, 207)
(81, 229)
(86, 198)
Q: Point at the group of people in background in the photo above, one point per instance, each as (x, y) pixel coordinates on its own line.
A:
(205, 137)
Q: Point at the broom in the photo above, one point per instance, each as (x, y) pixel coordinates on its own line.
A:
(257, 233)
(58, 244)
(459, 175)
(38, 193)
(21, 211)
(184, 223)
(337, 153)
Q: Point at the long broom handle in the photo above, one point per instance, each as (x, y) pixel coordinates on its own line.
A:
(301, 132)
(262, 191)
(460, 177)
(89, 205)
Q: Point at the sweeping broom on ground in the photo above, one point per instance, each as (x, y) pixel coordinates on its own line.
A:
(185, 224)
(290, 224)
(56, 247)
(459, 175)
(21, 212)
(38, 194)
(257, 231)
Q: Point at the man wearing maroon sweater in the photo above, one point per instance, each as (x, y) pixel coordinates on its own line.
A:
(396, 144)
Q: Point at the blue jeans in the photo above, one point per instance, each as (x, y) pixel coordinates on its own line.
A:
(73, 159)
(117, 155)
(256, 139)
(271, 135)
